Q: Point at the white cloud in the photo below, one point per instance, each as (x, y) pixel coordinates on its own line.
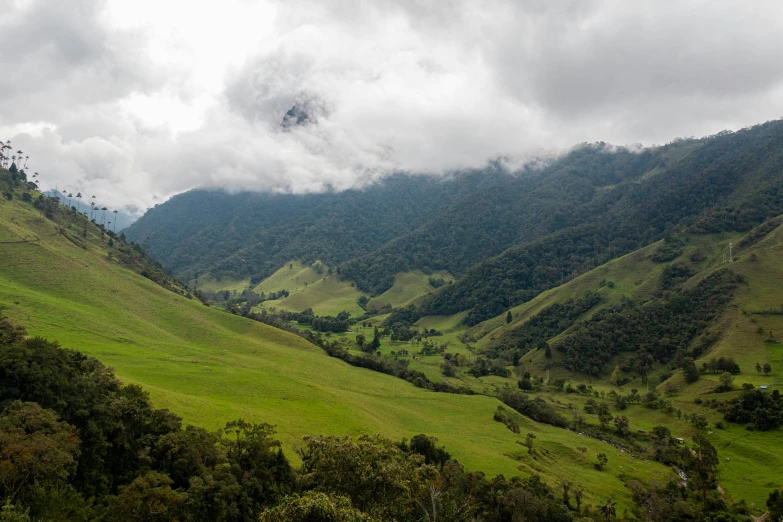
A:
(135, 101)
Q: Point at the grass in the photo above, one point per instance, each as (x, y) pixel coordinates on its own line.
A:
(293, 276)
(208, 284)
(750, 463)
(210, 367)
(327, 296)
(409, 287)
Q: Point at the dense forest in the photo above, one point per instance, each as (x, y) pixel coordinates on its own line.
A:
(252, 234)
(533, 204)
(657, 330)
(731, 182)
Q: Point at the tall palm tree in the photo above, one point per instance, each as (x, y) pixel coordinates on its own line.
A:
(78, 201)
(608, 510)
(115, 220)
(104, 214)
(69, 199)
(25, 161)
(92, 205)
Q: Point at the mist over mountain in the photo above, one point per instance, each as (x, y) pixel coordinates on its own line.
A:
(505, 236)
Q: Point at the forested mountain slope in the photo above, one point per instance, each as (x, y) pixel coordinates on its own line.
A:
(733, 181)
(483, 224)
(253, 234)
(505, 237)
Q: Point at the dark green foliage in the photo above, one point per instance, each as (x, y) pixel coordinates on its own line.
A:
(114, 423)
(483, 366)
(502, 415)
(251, 234)
(704, 192)
(315, 506)
(662, 327)
(673, 276)
(548, 323)
(90, 436)
(775, 506)
(503, 212)
(721, 365)
(689, 370)
(37, 452)
(670, 249)
(756, 409)
(427, 447)
(537, 409)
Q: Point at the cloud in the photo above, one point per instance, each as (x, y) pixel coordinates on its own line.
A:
(139, 101)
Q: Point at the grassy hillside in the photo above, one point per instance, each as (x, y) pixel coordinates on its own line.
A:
(750, 463)
(292, 276)
(208, 284)
(327, 296)
(210, 366)
(408, 287)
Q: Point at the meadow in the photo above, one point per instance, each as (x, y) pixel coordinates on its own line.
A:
(211, 367)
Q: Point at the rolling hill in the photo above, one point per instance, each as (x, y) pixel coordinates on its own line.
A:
(210, 366)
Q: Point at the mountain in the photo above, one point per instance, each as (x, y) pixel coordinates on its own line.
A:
(504, 236)
(729, 182)
(209, 366)
(251, 234)
(631, 326)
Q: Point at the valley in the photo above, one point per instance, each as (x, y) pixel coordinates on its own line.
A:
(594, 337)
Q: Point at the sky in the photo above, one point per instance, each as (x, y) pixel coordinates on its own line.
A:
(137, 100)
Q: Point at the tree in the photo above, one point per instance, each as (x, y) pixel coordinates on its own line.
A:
(758, 368)
(616, 375)
(604, 417)
(603, 460)
(376, 341)
(509, 317)
(621, 423)
(775, 506)
(566, 485)
(378, 477)
(767, 368)
(726, 381)
(35, 450)
(115, 219)
(548, 352)
(689, 369)
(699, 421)
(428, 448)
(525, 383)
(314, 506)
(149, 498)
(360, 341)
(78, 201)
(701, 463)
(529, 442)
(608, 510)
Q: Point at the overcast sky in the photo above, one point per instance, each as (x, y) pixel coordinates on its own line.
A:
(137, 100)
